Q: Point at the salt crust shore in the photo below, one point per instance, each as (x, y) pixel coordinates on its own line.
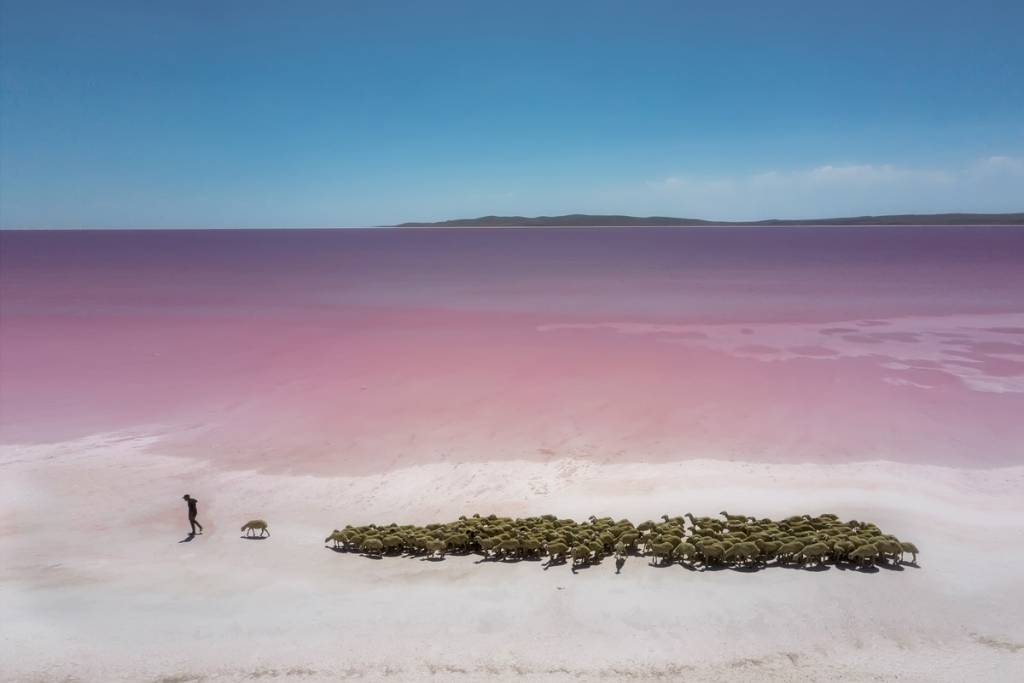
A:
(95, 586)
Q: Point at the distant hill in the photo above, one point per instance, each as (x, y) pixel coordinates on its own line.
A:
(582, 219)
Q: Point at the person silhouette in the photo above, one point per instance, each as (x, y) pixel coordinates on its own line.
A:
(192, 513)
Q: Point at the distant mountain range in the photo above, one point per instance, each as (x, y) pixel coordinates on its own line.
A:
(583, 220)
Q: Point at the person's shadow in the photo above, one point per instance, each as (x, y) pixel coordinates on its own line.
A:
(187, 539)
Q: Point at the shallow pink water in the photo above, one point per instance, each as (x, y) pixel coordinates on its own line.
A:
(355, 351)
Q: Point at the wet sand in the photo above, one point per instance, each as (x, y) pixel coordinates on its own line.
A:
(345, 352)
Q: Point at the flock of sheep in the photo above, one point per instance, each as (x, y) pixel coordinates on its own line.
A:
(733, 540)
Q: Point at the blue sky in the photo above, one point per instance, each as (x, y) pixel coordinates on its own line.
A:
(228, 114)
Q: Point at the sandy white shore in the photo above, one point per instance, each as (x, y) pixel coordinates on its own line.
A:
(95, 586)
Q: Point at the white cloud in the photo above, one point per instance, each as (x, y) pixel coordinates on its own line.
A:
(994, 184)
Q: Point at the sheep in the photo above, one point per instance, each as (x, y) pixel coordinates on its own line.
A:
(865, 554)
(531, 546)
(488, 545)
(662, 550)
(734, 518)
(711, 551)
(700, 521)
(684, 552)
(907, 547)
(629, 539)
(842, 548)
(580, 555)
(806, 539)
(889, 549)
(373, 546)
(457, 540)
(337, 538)
(745, 552)
(788, 551)
(435, 546)
(254, 524)
(509, 546)
(556, 551)
(815, 552)
(769, 549)
(392, 542)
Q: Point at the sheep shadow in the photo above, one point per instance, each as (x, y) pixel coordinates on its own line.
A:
(915, 565)
(869, 569)
(552, 563)
(890, 567)
(254, 538)
(713, 567)
(432, 559)
(746, 568)
(660, 565)
(804, 568)
(187, 539)
(335, 550)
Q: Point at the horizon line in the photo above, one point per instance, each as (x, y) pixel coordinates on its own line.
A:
(546, 221)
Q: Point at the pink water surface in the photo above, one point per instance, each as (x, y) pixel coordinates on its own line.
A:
(354, 351)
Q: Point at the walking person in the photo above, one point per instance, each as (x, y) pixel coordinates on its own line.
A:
(192, 513)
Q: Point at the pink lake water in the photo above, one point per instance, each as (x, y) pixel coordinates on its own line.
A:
(352, 351)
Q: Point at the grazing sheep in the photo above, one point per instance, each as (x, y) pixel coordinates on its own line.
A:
(392, 542)
(865, 554)
(711, 551)
(907, 547)
(580, 555)
(769, 549)
(531, 546)
(788, 551)
(373, 546)
(509, 546)
(435, 546)
(806, 539)
(842, 548)
(489, 545)
(890, 549)
(337, 538)
(814, 552)
(556, 551)
(457, 541)
(254, 524)
(685, 552)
